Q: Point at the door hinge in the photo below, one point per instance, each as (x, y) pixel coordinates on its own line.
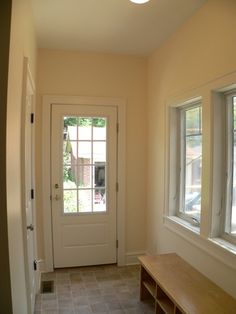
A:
(117, 127)
(30, 227)
(117, 244)
(32, 194)
(32, 118)
(117, 187)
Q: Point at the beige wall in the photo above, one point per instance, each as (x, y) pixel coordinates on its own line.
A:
(22, 43)
(106, 75)
(201, 50)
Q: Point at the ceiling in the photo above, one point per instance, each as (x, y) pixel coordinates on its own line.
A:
(115, 26)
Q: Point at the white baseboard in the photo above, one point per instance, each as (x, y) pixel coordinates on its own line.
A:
(131, 258)
(41, 269)
(41, 265)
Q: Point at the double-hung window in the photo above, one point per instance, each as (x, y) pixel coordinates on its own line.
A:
(229, 222)
(190, 163)
(184, 176)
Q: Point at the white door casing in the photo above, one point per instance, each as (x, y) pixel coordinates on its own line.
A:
(48, 102)
(28, 179)
(83, 184)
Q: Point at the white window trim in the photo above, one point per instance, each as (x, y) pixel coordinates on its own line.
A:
(208, 237)
(173, 162)
(46, 125)
(219, 249)
(228, 167)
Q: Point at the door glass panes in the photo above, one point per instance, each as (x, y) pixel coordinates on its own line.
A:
(84, 153)
(70, 201)
(99, 200)
(84, 164)
(99, 196)
(99, 129)
(85, 129)
(99, 175)
(99, 151)
(192, 161)
(84, 201)
(233, 205)
(85, 176)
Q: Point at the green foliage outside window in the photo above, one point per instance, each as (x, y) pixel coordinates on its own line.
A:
(78, 121)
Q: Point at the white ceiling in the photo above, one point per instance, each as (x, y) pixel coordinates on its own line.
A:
(117, 26)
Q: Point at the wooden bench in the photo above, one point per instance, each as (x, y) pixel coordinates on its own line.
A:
(176, 287)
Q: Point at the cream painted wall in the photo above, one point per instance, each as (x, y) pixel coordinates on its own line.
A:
(106, 75)
(203, 49)
(22, 43)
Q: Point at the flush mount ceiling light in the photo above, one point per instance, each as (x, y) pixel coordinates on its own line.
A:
(139, 1)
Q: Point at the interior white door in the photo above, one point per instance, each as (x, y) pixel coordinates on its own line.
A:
(28, 190)
(83, 165)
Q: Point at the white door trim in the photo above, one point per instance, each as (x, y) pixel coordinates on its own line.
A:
(119, 103)
(28, 90)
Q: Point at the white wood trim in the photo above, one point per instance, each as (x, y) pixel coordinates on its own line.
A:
(119, 103)
(121, 176)
(46, 187)
(206, 240)
(213, 247)
(28, 89)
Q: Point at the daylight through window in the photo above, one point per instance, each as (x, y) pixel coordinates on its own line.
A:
(190, 163)
(230, 213)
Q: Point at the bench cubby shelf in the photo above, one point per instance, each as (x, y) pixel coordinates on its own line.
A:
(178, 288)
(149, 287)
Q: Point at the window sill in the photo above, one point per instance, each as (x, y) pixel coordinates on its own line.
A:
(183, 223)
(218, 248)
(224, 244)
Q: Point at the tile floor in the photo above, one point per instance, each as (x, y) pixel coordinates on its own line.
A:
(97, 289)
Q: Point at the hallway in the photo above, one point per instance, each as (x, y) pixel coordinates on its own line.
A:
(156, 61)
(97, 289)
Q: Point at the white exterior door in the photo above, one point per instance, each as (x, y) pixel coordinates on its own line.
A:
(83, 184)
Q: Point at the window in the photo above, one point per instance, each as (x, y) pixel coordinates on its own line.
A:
(200, 172)
(84, 164)
(185, 163)
(190, 157)
(230, 186)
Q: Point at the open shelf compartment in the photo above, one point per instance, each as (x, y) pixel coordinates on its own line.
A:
(164, 301)
(147, 285)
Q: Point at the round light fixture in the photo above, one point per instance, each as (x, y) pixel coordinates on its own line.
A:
(139, 1)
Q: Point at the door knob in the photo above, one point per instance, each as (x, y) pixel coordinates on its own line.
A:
(57, 197)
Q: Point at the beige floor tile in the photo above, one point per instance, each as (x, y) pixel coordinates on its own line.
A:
(88, 290)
